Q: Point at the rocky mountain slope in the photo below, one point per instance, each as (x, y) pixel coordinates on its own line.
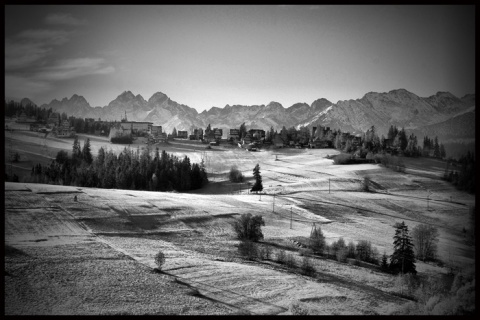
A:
(397, 107)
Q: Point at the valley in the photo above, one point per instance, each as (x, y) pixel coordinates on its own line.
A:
(95, 255)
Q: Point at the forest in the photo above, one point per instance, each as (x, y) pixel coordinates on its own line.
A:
(133, 170)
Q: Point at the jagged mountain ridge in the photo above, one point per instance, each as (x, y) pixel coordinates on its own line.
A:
(397, 107)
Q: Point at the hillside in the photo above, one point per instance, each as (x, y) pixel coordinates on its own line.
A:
(94, 254)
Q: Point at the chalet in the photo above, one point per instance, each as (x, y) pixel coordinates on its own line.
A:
(247, 139)
(257, 134)
(318, 143)
(356, 140)
(22, 117)
(234, 134)
(182, 134)
(53, 119)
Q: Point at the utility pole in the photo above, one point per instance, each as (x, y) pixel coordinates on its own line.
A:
(291, 217)
(273, 206)
(329, 185)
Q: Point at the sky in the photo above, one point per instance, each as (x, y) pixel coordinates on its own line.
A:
(211, 56)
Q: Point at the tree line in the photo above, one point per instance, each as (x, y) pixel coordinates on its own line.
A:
(132, 170)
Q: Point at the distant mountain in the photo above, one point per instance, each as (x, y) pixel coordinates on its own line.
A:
(76, 106)
(397, 107)
(442, 112)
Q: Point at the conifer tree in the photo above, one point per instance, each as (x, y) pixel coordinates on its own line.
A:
(86, 152)
(76, 151)
(384, 263)
(317, 240)
(403, 258)
(258, 179)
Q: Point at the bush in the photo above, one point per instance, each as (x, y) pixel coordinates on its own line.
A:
(235, 175)
(307, 267)
(298, 310)
(290, 261)
(248, 250)
(341, 254)
(122, 139)
(366, 184)
(343, 159)
(160, 259)
(425, 238)
(248, 227)
(281, 257)
(268, 252)
(305, 252)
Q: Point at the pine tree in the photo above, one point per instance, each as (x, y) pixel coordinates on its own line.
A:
(384, 263)
(258, 179)
(436, 149)
(76, 151)
(317, 240)
(174, 132)
(403, 258)
(86, 152)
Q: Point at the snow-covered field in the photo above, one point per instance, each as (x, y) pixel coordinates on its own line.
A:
(194, 231)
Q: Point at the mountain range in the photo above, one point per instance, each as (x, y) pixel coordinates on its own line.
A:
(441, 114)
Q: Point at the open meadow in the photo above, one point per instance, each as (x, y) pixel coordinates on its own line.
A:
(95, 255)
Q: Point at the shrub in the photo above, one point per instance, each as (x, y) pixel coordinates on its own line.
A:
(248, 227)
(160, 259)
(425, 238)
(343, 159)
(122, 139)
(267, 252)
(290, 261)
(305, 252)
(248, 250)
(307, 267)
(235, 175)
(298, 310)
(281, 257)
(351, 250)
(366, 184)
(341, 254)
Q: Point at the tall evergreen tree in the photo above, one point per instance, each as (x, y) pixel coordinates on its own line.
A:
(86, 152)
(174, 132)
(258, 179)
(317, 240)
(242, 131)
(403, 258)
(436, 148)
(76, 151)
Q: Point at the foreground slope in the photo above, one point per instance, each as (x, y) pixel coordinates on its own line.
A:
(194, 231)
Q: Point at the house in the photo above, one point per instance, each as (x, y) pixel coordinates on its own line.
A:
(257, 134)
(218, 133)
(356, 140)
(53, 119)
(234, 134)
(182, 134)
(247, 139)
